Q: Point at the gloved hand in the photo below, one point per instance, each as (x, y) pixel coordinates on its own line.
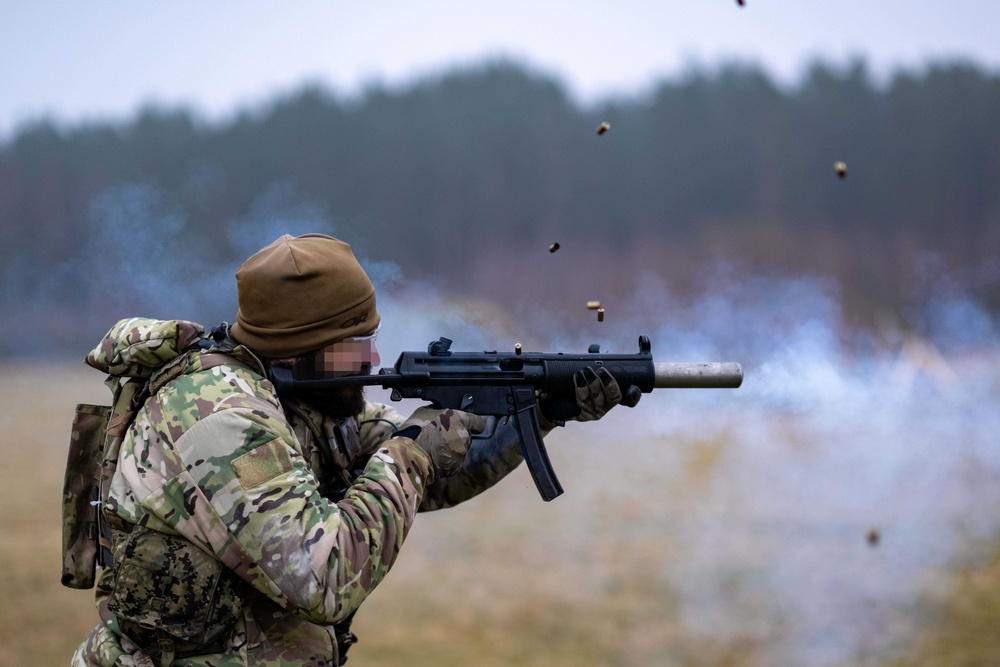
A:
(444, 434)
(598, 391)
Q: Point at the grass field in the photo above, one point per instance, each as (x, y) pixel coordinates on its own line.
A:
(40, 621)
(684, 538)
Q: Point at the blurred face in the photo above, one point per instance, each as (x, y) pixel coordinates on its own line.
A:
(351, 356)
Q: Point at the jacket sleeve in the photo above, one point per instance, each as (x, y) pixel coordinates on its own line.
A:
(489, 459)
(487, 462)
(234, 484)
(376, 424)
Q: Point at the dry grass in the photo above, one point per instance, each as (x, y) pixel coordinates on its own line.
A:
(507, 579)
(960, 618)
(663, 559)
(41, 622)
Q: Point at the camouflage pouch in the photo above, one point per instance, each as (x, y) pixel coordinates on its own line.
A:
(80, 493)
(165, 584)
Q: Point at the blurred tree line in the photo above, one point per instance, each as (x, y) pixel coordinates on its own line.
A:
(455, 176)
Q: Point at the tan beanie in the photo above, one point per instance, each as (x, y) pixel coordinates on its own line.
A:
(300, 294)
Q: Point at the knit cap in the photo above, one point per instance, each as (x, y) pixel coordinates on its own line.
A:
(302, 293)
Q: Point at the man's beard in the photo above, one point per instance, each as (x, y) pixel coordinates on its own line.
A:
(339, 403)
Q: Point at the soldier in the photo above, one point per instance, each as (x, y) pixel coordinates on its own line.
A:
(246, 528)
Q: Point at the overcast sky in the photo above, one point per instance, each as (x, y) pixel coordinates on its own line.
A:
(101, 58)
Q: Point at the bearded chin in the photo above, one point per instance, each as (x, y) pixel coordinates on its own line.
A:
(339, 403)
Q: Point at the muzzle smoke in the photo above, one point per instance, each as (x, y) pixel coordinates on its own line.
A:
(769, 494)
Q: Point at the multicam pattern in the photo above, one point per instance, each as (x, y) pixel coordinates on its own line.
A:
(335, 449)
(307, 562)
(137, 346)
(83, 470)
(445, 435)
(338, 450)
(487, 462)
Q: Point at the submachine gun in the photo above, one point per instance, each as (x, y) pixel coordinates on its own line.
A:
(512, 384)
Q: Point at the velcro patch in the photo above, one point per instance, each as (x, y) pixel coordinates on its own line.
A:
(262, 464)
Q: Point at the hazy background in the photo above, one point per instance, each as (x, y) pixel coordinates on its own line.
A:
(104, 57)
(836, 509)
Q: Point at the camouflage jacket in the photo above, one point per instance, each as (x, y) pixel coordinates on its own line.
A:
(226, 551)
(337, 452)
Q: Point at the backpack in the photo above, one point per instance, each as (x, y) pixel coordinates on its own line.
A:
(133, 351)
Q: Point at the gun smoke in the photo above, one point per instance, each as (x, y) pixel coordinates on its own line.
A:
(834, 433)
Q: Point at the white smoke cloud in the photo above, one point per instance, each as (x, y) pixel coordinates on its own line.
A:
(831, 434)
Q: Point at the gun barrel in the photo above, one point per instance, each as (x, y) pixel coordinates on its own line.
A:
(720, 375)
